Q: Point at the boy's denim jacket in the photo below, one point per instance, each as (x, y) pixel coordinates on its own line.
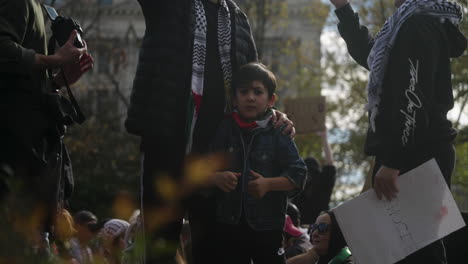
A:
(269, 153)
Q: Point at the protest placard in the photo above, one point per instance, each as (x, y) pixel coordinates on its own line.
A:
(307, 113)
(384, 232)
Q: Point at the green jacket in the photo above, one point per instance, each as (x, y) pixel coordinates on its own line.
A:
(29, 131)
(22, 86)
(22, 35)
(344, 257)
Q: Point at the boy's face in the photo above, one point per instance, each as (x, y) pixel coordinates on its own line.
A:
(252, 101)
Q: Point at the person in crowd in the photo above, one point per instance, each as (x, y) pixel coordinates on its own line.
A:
(409, 92)
(181, 91)
(112, 241)
(64, 231)
(319, 186)
(263, 169)
(296, 240)
(133, 240)
(35, 172)
(328, 243)
(79, 244)
(295, 215)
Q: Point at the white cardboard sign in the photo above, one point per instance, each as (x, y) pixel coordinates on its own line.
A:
(379, 231)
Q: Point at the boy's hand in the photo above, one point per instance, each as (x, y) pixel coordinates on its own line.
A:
(280, 119)
(226, 180)
(258, 187)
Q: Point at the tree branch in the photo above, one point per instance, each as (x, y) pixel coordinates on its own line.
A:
(116, 84)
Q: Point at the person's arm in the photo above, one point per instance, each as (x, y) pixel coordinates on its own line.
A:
(326, 148)
(294, 168)
(310, 257)
(408, 98)
(225, 180)
(293, 177)
(13, 26)
(357, 37)
(260, 185)
(74, 71)
(66, 55)
(16, 59)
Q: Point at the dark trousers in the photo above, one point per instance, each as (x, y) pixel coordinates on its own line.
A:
(445, 158)
(163, 211)
(241, 245)
(202, 215)
(29, 195)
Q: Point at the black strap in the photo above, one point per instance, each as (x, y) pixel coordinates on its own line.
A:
(80, 117)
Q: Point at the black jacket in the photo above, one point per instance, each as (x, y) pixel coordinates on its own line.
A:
(417, 91)
(317, 193)
(158, 105)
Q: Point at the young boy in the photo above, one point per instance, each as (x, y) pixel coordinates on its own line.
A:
(263, 170)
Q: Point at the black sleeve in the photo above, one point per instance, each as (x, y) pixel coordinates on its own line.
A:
(253, 55)
(218, 143)
(408, 97)
(357, 37)
(327, 178)
(14, 19)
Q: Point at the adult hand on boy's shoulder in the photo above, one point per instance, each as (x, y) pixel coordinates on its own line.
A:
(226, 180)
(258, 187)
(279, 119)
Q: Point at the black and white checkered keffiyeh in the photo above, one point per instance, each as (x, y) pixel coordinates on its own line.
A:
(385, 39)
(198, 61)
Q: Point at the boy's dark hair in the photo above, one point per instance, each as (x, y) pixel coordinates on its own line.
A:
(254, 71)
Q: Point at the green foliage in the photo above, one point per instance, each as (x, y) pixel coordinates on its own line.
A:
(461, 172)
(460, 176)
(106, 161)
(460, 88)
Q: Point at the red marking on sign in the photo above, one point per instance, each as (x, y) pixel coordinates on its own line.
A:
(443, 211)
